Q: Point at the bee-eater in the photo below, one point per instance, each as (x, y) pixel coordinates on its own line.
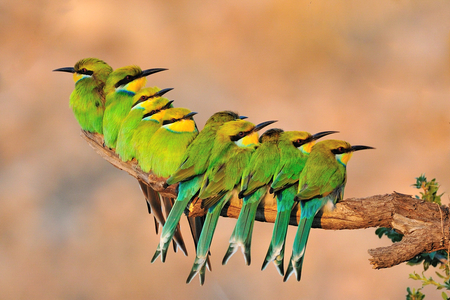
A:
(121, 86)
(169, 143)
(87, 101)
(233, 146)
(320, 186)
(295, 147)
(145, 101)
(189, 176)
(255, 183)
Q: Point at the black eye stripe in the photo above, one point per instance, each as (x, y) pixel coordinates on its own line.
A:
(84, 71)
(340, 150)
(127, 79)
(239, 135)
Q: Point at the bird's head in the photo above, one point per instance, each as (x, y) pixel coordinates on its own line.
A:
(341, 150)
(130, 79)
(149, 93)
(88, 68)
(242, 133)
(303, 140)
(179, 120)
(271, 135)
(223, 117)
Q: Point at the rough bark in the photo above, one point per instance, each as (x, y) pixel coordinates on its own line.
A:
(424, 225)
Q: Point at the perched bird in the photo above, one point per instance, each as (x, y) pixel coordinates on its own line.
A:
(121, 86)
(295, 147)
(320, 186)
(189, 176)
(255, 183)
(168, 144)
(87, 101)
(233, 146)
(146, 101)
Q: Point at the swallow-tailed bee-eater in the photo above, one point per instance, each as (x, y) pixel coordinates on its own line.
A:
(145, 101)
(295, 147)
(255, 184)
(189, 176)
(233, 146)
(87, 100)
(121, 86)
(321, 185)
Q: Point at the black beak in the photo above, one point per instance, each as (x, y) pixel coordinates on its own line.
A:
(322, 134)
(161, 92)
(167, 106)
(68, 70)
(151, 71)
(262, 125)
(192, 113)
(359, 147)
(242, 117)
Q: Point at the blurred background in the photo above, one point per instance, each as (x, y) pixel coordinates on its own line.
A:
(74, 227)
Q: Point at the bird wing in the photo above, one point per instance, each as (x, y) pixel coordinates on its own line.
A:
(214, 186)
(320, 184)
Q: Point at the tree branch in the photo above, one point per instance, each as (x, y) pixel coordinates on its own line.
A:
(423, 224)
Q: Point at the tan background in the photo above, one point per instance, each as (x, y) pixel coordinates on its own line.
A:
(74, 227)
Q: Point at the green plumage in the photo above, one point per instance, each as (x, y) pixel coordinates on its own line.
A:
(293, 157)
(120, 88)
(169, 143)
(321, 184)
(190, 176)
(255, 180)
(150, 103)
(233, 146)
(87, 101)
(119, 99)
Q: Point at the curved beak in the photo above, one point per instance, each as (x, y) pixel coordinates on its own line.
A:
(162, 92)
(242, 117)
(192, 113)
(262, 125)
(67, 69)
(168, 105)
(360, 147)
(322, 134)
(151, 71)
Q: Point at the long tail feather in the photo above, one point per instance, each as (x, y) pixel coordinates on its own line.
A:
(298, 250)
(242, 233)
(204, 242)
(196, 225)
(143, 187)
(178, 238)
(275, 253)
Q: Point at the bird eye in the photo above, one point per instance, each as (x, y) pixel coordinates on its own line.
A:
(142, 97)
(173, 119)
(84, 70)
(128, 77)
(241, 134)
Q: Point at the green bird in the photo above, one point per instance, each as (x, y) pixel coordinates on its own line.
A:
(87, 100)
(168, 144)
(255, 183)
(233, 146)
(121, 86)
(295, 147)
(320, 186)
(145, 101)
(189, 176)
